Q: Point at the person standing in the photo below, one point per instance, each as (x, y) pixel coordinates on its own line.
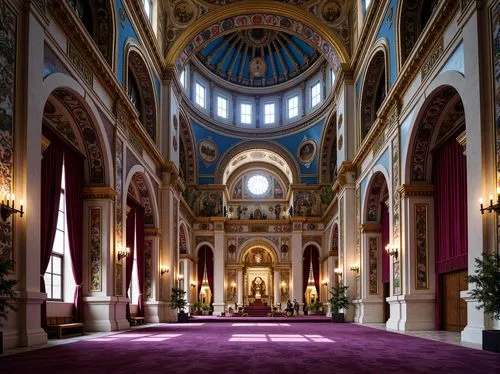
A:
(296, 306)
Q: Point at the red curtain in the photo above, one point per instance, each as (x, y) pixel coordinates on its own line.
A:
(139, 238)
(130, 243)
(305, 270)
(210, 271)
(50, 194)
(74, 213)
(450, 213)
(385, 240)
(315, 258)
(450, 202)
(201, 266)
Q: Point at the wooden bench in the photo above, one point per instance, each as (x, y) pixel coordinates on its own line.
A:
(135, 321)
(61, 324)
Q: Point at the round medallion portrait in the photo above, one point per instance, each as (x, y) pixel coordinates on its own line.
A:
(208, 151)
(307, 151)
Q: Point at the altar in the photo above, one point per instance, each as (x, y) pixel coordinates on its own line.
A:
(258, 286)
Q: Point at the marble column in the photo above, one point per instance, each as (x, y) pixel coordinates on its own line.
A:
(218, 303)
(152, 302)
(240, 287)
(276, 284)
(296, 249)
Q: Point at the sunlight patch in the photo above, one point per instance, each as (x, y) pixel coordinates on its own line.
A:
(150, 339)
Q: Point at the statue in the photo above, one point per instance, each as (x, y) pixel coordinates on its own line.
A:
(258, 287)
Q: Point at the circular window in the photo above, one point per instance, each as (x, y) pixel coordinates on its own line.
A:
(258, 185)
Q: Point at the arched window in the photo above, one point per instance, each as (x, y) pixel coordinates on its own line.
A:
(97, 17)
(415, 14)
(374, 91)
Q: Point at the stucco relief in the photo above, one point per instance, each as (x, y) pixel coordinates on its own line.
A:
(95, 252)
(146, 200)
(421, 247)
(373, 265)
(119, 192)
(148, 269)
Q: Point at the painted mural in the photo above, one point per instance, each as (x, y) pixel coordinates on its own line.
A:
(232, 290)
(396, 278)
(395, 192)
(148, 269)
(95, 251)
(421, 250)
(210, 204)
(373, 265)
(119, 193)
(285, 285)
(306, 152)
(118, 280)
(306, 203)
(8, 31)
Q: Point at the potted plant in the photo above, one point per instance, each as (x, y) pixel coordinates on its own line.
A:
(205, 307)
(487, 291)
(6, 295)
(338, 301)
(178, 301)
(197, 307)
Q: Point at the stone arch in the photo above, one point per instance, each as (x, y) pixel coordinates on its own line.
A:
(65, 99)
(441, 114)
(374, 88)
(273, 15)
(201, 244)
(250, 145)
(184, 242)
(413, 16)
(328, 155)
(140, 88)
(145, 190)
(262, 243)
(187, 150)
(377, 189)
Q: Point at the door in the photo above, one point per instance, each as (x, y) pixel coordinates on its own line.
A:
(454, 308)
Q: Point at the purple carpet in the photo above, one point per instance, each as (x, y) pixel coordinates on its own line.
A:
(254, 347)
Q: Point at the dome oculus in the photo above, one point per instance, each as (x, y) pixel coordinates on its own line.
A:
(258, 185)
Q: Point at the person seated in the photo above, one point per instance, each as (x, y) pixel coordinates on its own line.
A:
(289, 309)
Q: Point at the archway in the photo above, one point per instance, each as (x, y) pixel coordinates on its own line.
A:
(328, 155)
(437, 160)
(205, 275)
(310, 275)
(375, 261)
(373, 91)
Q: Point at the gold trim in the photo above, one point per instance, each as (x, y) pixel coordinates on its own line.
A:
(462, 140)
(371, 227)
(410, 190)
(259, 6)
(99, 193)
(45, 143)
(152, 231)
(90, 248)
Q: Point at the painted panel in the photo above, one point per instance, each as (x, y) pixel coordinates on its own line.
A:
(95, 252)
(373, 265)
(118, 280)
(421, 247)
(8, 56)
(396, 278)
(119, 193)
(148, 269)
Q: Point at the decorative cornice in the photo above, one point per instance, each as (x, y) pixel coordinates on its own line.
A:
(371, 227)
(411, 190)
(99, 193)
(152, 231)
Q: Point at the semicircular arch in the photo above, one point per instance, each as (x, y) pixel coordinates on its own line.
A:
(264, 243)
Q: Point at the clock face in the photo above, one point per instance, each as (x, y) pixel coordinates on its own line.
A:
(258, 67)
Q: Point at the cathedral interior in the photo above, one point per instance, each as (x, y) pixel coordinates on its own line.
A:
(248, 153)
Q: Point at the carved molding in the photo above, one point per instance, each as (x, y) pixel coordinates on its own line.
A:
(411, 190)
(99, 193)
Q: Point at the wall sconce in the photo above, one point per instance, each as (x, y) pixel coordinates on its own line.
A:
(164, 270)
(7, 207)
(338, 271)
(392, 250)
(324, 282)
(123, 253)
(193, 284)
(491, 207)
(355, 268)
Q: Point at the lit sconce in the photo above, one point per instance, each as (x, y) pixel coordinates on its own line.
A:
(122, 253)
(392, 250)
(338, 271)
(283, 287)
(491, 207)
(8, 207)
(164, 270)
(180, 277)
(355, 268)
(193, 284)
(233, 285)
(324, 282)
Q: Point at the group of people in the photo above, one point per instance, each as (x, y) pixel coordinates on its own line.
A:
(292, 308)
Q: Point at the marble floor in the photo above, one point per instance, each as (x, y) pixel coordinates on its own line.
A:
(437, 335)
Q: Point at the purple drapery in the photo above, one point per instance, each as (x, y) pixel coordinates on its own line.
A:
(305, 270)
(450, 213)
(450, 207)
(315, 258)
(130, 243)
(139, 239)
(210, 271)
(74, 213)
(385, 240)
(50, 194)
(201, 266)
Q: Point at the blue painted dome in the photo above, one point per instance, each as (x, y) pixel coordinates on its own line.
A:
(258, 57)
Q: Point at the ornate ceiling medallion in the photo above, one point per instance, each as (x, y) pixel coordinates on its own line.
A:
(208, 151)
(306, 152)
